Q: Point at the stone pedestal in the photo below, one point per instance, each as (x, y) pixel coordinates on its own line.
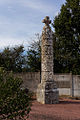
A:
(47, 92)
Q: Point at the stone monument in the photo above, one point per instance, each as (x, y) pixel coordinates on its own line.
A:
(47, 92)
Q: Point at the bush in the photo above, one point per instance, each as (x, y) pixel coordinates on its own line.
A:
(15, 103)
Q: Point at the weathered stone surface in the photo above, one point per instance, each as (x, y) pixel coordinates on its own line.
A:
(47, 92)
(47, 41)
(47, 50)
(46, 57)
(47, 76)
(47, 66)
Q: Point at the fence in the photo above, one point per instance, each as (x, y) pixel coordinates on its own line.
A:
(67, 84)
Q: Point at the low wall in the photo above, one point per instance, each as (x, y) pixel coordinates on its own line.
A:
(30, 80)
(63, 82)
(67, 84)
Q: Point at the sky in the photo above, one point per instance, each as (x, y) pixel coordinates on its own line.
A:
(20, 20)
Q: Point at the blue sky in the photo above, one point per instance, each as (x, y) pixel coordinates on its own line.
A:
(21, 19)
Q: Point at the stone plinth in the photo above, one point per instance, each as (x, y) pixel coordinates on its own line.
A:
(47, 92)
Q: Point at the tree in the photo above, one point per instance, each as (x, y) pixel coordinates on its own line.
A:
(33, 61)
(67, 33)
(13, 59)
(15, 103)
(34, 55)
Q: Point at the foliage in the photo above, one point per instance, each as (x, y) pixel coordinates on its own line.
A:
(34, 55)
(13, 59)
(14, 102)
(67, 42)
(33, 61)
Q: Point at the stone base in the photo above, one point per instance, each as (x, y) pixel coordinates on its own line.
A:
(47, 93)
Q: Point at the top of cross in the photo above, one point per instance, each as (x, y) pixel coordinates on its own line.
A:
(46, 20)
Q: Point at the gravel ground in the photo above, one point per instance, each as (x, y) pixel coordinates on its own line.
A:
(66, 110)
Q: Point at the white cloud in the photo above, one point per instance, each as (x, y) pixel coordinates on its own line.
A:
(2, 2)
(21, 19)
(33, 4)
(38, 5)
(11, 42)
(16, 33)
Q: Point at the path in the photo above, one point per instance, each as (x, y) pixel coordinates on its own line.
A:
(65, 110)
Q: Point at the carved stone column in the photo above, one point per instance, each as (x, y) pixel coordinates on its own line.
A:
(47, 92)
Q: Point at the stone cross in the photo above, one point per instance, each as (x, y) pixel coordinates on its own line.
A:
(47, 92)
(47, 21)
(46, 52)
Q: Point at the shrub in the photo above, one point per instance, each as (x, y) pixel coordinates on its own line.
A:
(15, 103)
